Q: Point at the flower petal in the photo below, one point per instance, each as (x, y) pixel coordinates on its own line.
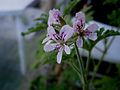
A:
(93, 36)
(54, 15)
(67, 49)
(79, 42)
(51, 32)
(80, 16)
(92, 27)
(59, 55)
(78, 25)
(45, 40)
(49, 47)
(66, 32)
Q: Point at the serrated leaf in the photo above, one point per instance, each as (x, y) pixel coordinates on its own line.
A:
(43, 17)
(35, 29)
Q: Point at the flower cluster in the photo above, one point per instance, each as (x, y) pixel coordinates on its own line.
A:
(57, 39)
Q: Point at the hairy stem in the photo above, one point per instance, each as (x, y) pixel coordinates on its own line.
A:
(82, 71)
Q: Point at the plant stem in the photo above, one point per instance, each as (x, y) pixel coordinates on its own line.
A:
(102, 57)
(82, 71)
(88, 61)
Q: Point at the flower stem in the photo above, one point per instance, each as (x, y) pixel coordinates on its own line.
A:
(88, 61)
(82, 71)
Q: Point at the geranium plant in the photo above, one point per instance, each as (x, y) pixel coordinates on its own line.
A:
(63, 37)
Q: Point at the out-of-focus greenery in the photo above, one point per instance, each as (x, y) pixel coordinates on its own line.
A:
(109, 83)
(110, 2)
(68, 80)
(41, 25)
(114, 16)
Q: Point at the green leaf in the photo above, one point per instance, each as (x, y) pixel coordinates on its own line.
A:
(102, 34)
(38, 27)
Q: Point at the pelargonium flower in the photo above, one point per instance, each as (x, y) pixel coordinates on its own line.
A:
(54, 17)
(79, 27)
(57, 41)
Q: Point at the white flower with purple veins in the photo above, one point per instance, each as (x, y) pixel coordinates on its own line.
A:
(54, 17)
(58, 41)
(79, 25)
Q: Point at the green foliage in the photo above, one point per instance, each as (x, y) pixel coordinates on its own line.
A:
(70, 6)
(88, 12)
(58, 6)
(41, 25)
(38, 83)
(106, 83)
(118, 67)
(110, 2)
(102, 34)
(114, 17)
(51, 82)
(109, 83)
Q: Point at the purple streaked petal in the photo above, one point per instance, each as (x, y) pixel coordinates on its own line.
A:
(59, 55)
(80, 16)
(93, 36)
(66, 32)
(78, 25)
(92, 27)
(79, 42)
(67, 49)
(49, 47)
(54, 15)
(51, 30)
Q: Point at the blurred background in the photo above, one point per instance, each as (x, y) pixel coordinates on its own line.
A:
(18, 53)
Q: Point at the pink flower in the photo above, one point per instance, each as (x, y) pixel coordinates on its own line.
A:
(79, 26)
(57, 41)
(54, 17)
